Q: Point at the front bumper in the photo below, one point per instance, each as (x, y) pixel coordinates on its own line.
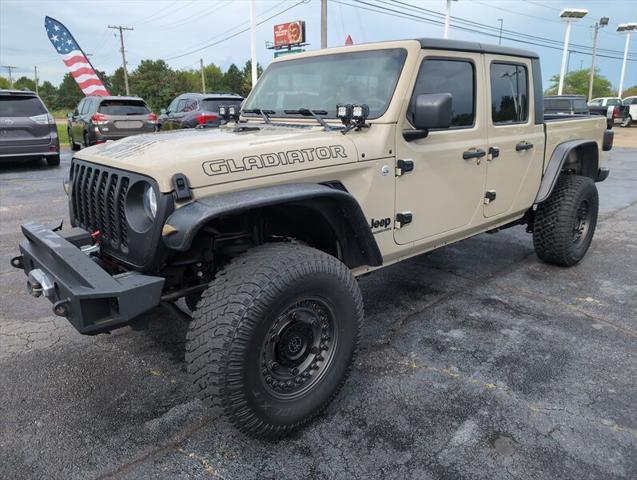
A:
(92, 299)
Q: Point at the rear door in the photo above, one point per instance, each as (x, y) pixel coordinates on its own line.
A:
(516, 142)
(24, 121)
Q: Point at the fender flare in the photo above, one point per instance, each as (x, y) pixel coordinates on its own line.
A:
(358, 242)
(558, 158)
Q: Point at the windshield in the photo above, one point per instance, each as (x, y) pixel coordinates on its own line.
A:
(123, 107)
(321, 83)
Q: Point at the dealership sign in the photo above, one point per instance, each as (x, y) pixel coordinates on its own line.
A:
(291, 33)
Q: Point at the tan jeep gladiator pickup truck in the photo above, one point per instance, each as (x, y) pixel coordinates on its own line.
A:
(342, 161)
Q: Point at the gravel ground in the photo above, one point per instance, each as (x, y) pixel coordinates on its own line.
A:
(477, 361)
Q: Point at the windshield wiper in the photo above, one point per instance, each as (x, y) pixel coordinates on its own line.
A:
(265, 114)
(306, 112)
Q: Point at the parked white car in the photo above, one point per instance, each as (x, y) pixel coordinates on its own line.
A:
(629, 111)
(610, 107)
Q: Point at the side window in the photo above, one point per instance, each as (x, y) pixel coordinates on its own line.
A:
(634, 100)
(190, 105)
(80, 106)
(456, 77)
(509, 93)
(173, 106)
(596, 102)
(180, 105)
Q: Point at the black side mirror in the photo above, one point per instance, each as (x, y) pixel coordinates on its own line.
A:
(431, 110)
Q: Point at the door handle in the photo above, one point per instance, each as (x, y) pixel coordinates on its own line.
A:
(473, 153)
(523, 146)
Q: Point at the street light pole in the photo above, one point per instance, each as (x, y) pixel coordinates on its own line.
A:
(626, 28)
(601, 24)
(323, 23)
(448, 18)
(569, 16)
(253, 41)
(500, 36)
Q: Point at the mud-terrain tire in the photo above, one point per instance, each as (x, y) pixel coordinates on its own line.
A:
(274, 337)
(565, 223)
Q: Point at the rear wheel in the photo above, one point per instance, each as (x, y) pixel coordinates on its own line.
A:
(53, 161)
(86, 144)
(564, 224)
(74, 146)
(273, 338)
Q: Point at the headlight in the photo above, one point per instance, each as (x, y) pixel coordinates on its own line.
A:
(150, 202)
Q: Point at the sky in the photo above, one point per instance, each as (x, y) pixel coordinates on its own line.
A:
(183, 31)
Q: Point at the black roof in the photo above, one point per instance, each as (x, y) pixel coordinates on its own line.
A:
(461, 46)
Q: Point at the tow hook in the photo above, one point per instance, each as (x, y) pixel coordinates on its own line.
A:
(18, 262)
(62, 308)
(39, 283)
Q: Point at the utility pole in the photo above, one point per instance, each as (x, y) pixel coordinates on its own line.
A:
(203, 78)
(121, 41)
(601, 24)
(35, 69)
(323, 23)
(500, 36)
(10, 68)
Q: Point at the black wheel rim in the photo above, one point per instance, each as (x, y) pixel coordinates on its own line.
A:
(582, 222)
(299, 348)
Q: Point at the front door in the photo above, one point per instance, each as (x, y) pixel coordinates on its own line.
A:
(516, 142)
(444, 192)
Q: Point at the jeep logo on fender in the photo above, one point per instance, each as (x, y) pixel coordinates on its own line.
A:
(383, 224)
(266, 160)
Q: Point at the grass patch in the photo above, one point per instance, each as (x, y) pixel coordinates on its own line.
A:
(63, 134)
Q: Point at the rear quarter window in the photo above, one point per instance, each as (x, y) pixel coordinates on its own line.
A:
(580, 105)
(123, 107)
(16, 106)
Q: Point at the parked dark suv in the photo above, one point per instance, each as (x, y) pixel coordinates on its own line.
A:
(566, 105)
(27, 130)
(98, 119)
(190, 110)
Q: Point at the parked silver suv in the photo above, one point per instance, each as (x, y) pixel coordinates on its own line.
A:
(27, 130)
(98, 119)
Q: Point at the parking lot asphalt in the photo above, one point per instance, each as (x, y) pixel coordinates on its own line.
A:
(477, 361)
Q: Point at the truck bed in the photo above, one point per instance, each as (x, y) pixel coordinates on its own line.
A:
(563, 128)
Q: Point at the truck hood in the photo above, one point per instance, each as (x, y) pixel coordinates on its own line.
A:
(220, 155)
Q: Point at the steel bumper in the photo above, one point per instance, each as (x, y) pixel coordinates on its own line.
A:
(92, 299)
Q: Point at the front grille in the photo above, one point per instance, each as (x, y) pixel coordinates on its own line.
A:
(98, 203)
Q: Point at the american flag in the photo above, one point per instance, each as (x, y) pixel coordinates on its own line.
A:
(73, 57)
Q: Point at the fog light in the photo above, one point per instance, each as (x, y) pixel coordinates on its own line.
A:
(360, 112)
(344, 113)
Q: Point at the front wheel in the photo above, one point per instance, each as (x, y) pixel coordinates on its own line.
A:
(274, 336)
(564, 223)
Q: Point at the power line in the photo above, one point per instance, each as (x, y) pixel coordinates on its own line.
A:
(410, 16)
(496, 29)
(235, 34)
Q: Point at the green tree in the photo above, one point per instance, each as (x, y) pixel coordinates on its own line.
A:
(4, 82)
(69, 94)
(247, 77)
(117, 82)
(157, 83)
(48, 94)
(576, 83)
(630, 92)
(214, 78)
(24, 82)
(233, 79)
